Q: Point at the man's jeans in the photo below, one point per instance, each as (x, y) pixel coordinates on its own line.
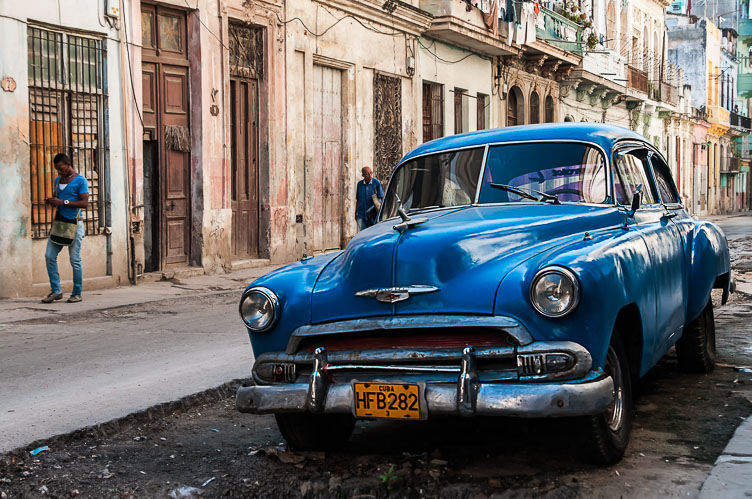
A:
(74, 251)
(361, 224)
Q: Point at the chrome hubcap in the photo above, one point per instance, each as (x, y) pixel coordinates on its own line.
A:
(615, 411)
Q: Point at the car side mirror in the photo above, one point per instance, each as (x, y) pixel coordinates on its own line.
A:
(635, 204)
(635, 201)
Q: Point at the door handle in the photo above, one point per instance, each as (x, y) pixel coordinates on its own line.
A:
(171, 205)
(669, 215)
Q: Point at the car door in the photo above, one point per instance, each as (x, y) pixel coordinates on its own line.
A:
(678, 215)
(632, 172)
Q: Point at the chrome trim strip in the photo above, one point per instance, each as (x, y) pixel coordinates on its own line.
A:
(532, 400)
(509, 325)
(482, 175)
(391, 355)
(407, 369)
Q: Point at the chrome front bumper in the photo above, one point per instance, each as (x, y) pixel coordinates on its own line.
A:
(589, 395)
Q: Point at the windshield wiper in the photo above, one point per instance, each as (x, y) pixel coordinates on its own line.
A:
(516, 190)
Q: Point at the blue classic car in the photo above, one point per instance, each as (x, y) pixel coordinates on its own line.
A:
(532, 271)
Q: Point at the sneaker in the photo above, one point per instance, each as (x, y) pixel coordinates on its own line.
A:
(52, 297)
(74, 299)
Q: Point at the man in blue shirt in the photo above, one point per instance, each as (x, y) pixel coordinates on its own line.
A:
(365, 211)
(71, 196)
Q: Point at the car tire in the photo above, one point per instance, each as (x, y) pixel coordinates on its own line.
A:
(696, 347)
(315, 432)
(607, 434)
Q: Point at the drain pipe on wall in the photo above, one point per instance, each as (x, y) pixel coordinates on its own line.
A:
(125, 72)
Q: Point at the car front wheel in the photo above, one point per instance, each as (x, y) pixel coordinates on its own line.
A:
(315, 432)
(696, 347)
(607, 434)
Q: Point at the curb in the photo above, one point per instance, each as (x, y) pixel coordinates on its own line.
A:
(199, 294)
(731, 475)
(153, 413)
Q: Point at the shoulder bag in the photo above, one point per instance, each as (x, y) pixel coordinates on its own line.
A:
(63, 230)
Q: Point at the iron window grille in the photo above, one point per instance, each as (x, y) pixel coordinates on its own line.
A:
(67, 112)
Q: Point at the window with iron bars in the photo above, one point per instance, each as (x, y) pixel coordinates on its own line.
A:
(67, 106)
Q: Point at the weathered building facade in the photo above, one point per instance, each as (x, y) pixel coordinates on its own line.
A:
(205, 134)
(61, 92)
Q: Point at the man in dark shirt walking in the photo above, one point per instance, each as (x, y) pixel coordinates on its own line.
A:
(365, 211)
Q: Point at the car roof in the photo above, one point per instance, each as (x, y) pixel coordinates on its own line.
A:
(602, 134)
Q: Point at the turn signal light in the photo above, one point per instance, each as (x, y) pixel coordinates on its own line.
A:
(537, 364)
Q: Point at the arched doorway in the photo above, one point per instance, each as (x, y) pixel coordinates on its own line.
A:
(549, 109)
(515, 107)
(534, 107)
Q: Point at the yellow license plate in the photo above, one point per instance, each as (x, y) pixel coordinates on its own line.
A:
(387, 400)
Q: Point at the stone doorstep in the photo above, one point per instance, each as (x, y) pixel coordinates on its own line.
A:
(251, 263)
(165, 275)
(89, 284)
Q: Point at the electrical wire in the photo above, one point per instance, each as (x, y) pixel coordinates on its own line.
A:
(198, 16)
(428, 49)
(130, 71)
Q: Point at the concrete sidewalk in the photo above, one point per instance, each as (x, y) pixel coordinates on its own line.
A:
(731, 476)
(23, 309)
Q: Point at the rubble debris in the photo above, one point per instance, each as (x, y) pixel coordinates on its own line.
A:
(186, 492)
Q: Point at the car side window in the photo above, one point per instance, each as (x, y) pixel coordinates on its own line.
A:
(631, 172)
(666, 187)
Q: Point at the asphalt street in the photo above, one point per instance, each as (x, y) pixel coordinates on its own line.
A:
(62, 371)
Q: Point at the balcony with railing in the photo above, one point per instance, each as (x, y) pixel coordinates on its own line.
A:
(461, 24)
(637, 79)
(730, 164)
(745, 29)
(560, 32)
(744, 85)
(740, 121)
(718, 115)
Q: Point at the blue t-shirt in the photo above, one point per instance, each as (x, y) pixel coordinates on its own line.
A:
(363, 197)
(71, 192)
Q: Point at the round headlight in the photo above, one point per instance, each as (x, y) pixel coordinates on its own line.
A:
(555, 291)
(259, 308)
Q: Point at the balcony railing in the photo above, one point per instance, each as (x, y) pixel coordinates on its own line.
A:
(669, 93)
(740, 121)
(719, 115)
(745, 29)
(730, 164)
(637, 79)
(560, 32)
(744, 85)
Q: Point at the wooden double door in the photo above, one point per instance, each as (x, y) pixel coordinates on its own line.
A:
(167, 137)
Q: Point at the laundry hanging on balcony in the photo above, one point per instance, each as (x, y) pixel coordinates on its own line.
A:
(491, 18)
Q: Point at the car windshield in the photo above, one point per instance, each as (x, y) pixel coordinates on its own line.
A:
(555, 171)
(434, 181)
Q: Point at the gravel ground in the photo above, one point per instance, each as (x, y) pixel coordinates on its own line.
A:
(203, 446)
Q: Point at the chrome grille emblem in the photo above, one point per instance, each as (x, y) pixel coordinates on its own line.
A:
(396, 294)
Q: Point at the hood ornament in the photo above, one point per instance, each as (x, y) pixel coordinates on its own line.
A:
(407, 222)
(396, 294)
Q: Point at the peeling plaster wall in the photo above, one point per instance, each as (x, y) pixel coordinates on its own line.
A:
(473, 75)
(22, 266)
(358, 53)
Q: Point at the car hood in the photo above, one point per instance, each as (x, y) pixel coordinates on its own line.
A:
(464, 252)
